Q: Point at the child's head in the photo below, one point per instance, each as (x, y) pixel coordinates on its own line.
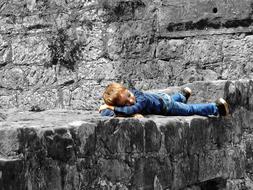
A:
(116, 94)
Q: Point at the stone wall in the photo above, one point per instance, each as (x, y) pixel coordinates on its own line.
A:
(66, 149)
(61, 54)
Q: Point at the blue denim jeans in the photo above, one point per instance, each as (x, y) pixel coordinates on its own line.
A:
(176, 106)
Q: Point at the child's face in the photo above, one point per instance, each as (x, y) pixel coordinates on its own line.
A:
(126, 98)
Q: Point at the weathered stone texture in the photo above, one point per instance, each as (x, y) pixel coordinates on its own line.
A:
(65, 149)
(61, 54)
(75, 149)
(194, 14)
(62, 152)
(54, 52)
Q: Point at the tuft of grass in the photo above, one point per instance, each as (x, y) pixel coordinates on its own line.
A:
(64, 49)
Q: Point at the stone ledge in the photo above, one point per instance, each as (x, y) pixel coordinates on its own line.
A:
(123, 153)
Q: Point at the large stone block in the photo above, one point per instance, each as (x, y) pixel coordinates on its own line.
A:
(85, 95)
(156, 74)
(122, 11)
(72, 149)
(203, 15)
(99, 70)
(44, 99)
(30, 50)
(115, 171)
(185, 170)
(203, 51)
(120, 137)
(224, 163)
(9, 142)
(239, 93)
(152, 173)
(5, 52)
(249, 156)
(12, 78)
(153, 137)
(206, 59)
(198, 135)
(83, 134)
(170, 49)
(131, 40)
(10, 179)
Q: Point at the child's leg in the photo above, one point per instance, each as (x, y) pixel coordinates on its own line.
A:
(181, 109)
(178, 97)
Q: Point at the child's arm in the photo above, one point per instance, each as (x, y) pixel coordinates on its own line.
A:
(105, 106)
(133, 109)
(107, 112)
(127, 110)
(137, 115)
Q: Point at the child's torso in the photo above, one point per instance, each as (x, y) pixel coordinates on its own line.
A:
(155, 102)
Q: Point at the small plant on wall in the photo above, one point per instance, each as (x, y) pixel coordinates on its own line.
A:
(120, 9)
(65, 49)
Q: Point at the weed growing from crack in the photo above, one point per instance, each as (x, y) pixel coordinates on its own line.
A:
(65, 50)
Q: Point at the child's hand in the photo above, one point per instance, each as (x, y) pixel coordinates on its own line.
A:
(138, 116)
(105, 106)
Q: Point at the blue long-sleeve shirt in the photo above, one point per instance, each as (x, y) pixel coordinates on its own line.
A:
(146, 103)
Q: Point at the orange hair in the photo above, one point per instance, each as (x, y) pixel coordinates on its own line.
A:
(111, 93)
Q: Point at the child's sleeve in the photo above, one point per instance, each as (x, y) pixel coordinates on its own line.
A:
(107, 112)
(133, 109)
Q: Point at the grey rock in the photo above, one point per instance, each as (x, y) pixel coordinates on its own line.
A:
(85, 150)
(62, 54)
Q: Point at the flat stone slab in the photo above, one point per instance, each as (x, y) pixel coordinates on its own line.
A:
(53, 147)
(176, 18)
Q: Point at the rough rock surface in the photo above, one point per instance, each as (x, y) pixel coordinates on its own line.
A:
(63, 149)
(70, 150)
(61, 54)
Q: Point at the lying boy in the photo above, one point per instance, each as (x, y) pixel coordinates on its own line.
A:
(122, 101)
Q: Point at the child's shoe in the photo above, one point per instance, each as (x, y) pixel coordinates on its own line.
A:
(187, 92)
(222, 106)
